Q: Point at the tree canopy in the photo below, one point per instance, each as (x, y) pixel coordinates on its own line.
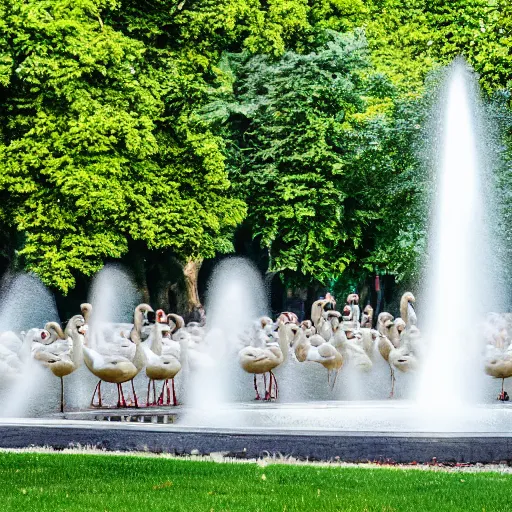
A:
(90, 157)
(167, 125)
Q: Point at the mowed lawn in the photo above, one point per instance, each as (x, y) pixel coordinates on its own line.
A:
(77, 482)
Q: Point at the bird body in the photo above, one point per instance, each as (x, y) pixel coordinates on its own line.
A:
(162, 359)
(265, 354)
(316, 349)
(396, 349)
(498, 357)
(115, 368)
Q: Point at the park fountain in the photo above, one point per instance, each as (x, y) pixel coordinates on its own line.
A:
(113, 297)
(448, 406)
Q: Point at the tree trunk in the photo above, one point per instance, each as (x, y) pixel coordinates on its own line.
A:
(137, 263)
(161, 296)
(191, 273)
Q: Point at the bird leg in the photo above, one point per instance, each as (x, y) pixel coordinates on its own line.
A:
(94, 394)
(258, 397)
(123, 401)
(335, 377)
(134, 395)
(267, 394)
(333, 383)
(154, 392)
(167, 386)
(501, 396)
(392, 394)
(162, 395)
(118, 395)
(61, 394)
(276, 387)
(174, 400)
(149, 388)
(99, 394)
(272, 384)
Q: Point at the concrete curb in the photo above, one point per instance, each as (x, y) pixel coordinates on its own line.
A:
(248, 443)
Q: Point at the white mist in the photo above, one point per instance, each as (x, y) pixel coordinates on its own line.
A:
(236, 298)
(457, 281)
(114, 297)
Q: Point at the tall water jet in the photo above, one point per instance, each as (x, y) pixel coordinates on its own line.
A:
(113, 296)
(458, 283)
(235, 298)
(25, 302)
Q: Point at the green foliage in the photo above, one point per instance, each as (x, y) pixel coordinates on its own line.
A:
(312, 155)
(411, 38)
(87, 163)
(498, 144)
(120, 119)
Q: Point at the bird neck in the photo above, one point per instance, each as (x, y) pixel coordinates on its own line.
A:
(86, 310)
(301, 346)
(55, 331)
(135, 333)
(77, 343)
(339, 339)
(139, 359)
(356, 313)
(404, 308)
(156, 342)
(283, 340)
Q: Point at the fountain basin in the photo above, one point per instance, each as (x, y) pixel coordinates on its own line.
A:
(348, 431)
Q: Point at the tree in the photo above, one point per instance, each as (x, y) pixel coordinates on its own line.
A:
(86, 164)
(410, 38)
(297, 125)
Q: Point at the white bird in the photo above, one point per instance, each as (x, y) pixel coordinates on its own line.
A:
(498, 353)
(110, 338)
(162, 359)
(323, 352)
(320, 307)
(349, 341)
(395, 349)
(264, 355)
(115, 368)
(367, 317)
(63, 354)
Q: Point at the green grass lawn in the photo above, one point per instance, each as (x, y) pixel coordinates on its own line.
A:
(33, 482)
